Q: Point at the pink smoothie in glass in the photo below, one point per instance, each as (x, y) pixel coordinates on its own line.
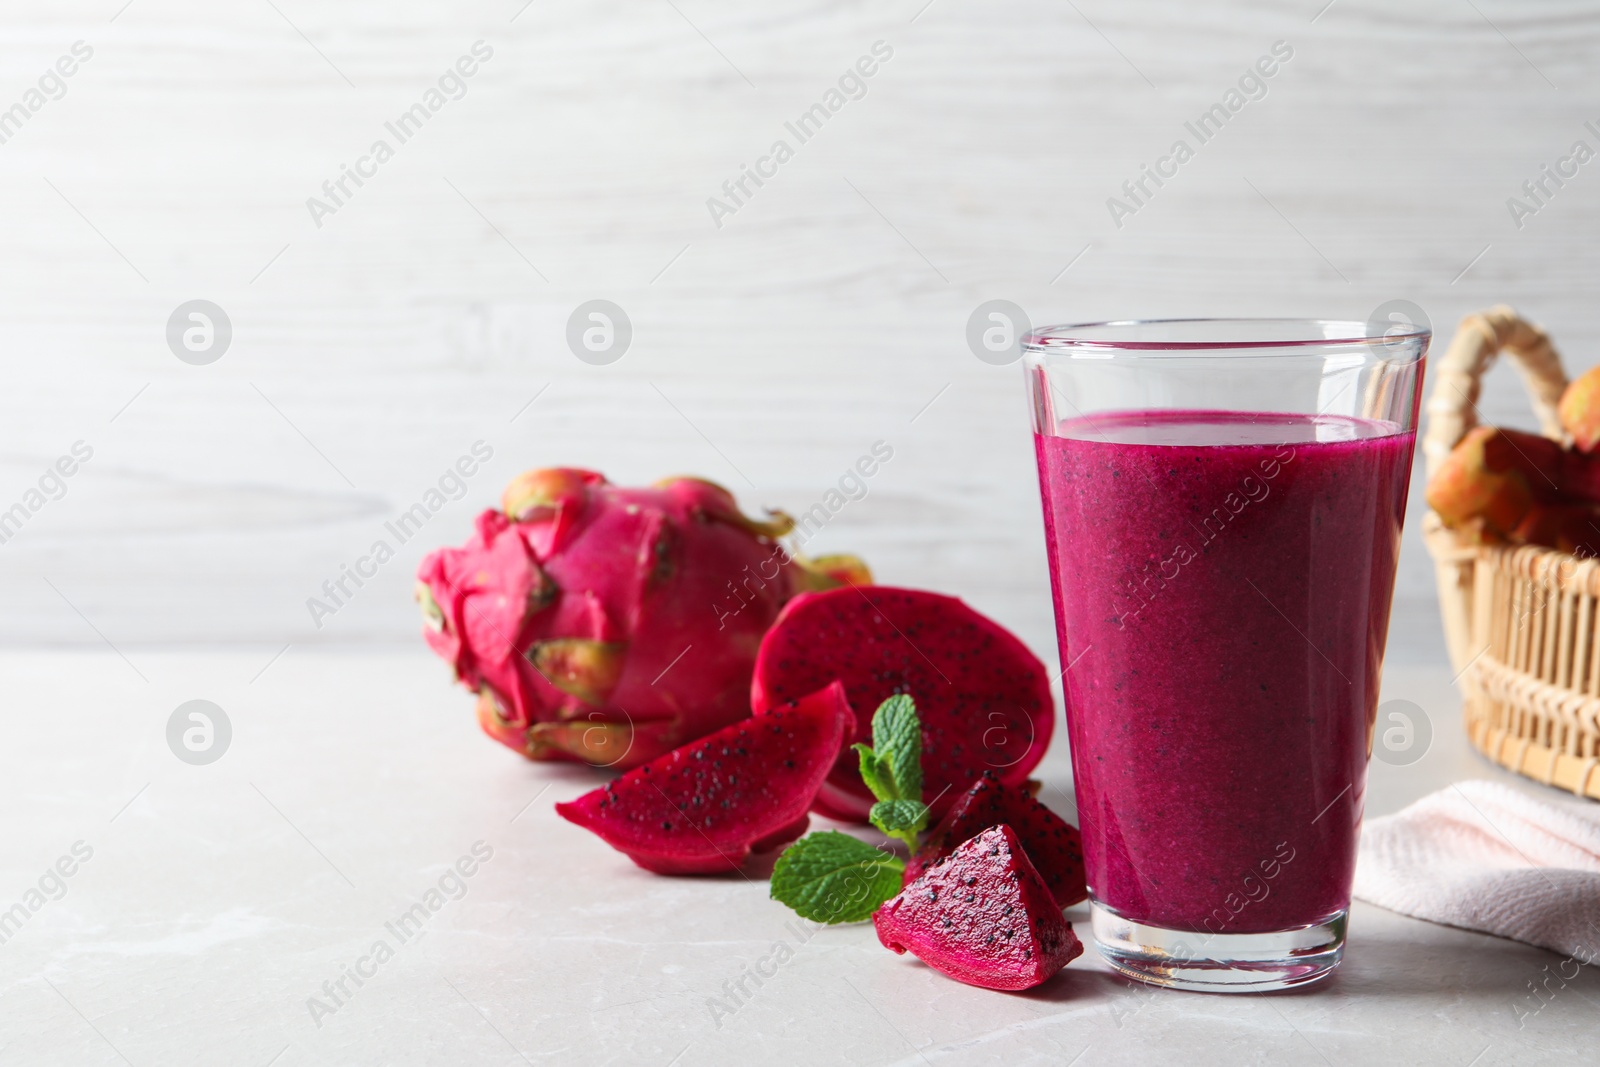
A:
(1222, 586)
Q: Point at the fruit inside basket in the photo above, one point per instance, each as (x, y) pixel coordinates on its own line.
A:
(1514, 530)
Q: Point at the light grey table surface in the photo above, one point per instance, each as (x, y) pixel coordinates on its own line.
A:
(429, 312)
(218, 899)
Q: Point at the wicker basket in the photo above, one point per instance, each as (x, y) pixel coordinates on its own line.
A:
(1520, 622)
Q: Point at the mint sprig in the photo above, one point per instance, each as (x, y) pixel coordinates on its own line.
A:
(832, 877)
(903, 819)
(892, 768)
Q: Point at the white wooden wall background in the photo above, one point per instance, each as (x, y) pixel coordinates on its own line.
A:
(768, 354)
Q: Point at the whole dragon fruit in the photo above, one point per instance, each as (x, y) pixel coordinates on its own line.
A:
(607, 625)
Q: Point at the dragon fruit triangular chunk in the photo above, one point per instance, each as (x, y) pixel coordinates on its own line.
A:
(983, 916)
(1053, 845)
(703, 808)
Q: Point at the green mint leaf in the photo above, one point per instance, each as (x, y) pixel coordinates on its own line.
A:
(831, 877)
(878, 777)
(897, 740)
(900, 818)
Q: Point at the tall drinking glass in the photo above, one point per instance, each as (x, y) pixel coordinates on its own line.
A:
(1222, 504)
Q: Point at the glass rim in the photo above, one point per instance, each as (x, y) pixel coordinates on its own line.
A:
(1228, 335)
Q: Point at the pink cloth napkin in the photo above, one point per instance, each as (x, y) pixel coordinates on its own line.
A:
(1484, 856)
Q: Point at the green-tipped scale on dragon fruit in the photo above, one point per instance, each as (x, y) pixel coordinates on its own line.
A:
(1053, 845)
(705, 807)
(983, 916)
(609, 625)
(984, 699)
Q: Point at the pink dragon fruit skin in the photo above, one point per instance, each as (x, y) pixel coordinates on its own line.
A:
(608, 625)
(983, 916)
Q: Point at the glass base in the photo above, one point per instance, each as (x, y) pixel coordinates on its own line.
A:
(1218, 963)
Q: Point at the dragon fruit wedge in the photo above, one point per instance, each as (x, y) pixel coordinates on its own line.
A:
(607, 625)
(983, 916)
(983, 698)
(703, 808)
(1053, 845)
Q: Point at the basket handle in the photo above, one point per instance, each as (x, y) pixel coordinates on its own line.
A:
(1453, 407)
